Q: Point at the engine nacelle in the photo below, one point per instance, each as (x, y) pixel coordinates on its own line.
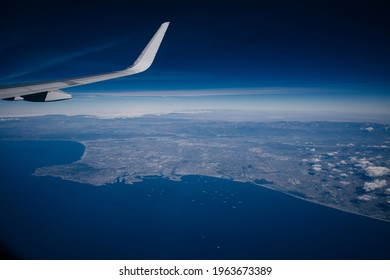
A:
(48, 96)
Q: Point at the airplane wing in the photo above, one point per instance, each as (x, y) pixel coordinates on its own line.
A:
(51, 91)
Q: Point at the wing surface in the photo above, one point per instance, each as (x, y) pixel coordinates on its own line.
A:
(51, 91)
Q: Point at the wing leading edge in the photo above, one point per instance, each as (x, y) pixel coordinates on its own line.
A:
(51, 91)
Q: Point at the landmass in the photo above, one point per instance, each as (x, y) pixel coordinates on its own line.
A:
(342, 165)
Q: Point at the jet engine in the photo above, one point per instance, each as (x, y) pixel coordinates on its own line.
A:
(48, 96)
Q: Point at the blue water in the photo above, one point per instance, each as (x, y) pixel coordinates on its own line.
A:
(197, 218)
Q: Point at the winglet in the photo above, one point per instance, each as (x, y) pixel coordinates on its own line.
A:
(145, 59)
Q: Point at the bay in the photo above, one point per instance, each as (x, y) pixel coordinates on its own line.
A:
(196, 218)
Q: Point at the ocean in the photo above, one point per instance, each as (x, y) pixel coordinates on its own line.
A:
(196, 218)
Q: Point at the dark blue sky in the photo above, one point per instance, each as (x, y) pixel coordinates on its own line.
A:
(234, 44)
(239, 44)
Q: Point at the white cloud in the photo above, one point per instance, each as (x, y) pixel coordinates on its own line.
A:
(8, 119)
(332, 154)
(363, 162)
(377, 171)
(377, 184)
(317, 167)
(343, 162)
(369, 129)
(378, 146)
(387, 191)
(346, 145)
(365, 197)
